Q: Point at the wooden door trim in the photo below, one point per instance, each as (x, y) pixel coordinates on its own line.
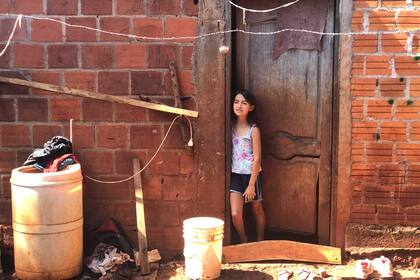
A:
(341, 189)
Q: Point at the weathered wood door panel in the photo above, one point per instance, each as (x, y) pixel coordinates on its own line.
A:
(294, 99)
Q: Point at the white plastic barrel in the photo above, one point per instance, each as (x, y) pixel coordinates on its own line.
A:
(47, 211)
(203, 238)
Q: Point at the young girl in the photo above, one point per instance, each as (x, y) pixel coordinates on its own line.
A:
(245, 183)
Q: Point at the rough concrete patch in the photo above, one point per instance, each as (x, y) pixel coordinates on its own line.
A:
(382, 236)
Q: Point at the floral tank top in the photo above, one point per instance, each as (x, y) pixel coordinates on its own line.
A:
(242, 154)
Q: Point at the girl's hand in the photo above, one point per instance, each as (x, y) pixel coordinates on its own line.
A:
(249, 193)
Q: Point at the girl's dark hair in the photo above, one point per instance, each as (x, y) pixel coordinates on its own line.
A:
(251, 100)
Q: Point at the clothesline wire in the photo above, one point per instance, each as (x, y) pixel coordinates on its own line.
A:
(139, 37)
(262, 11)
(150, 160)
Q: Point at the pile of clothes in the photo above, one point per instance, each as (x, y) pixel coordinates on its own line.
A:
(55, 155)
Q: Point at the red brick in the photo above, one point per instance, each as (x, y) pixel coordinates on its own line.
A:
(97, 162)
(378, 65)
(145, 136)
(130, 56)
(148, 27)
(393, 3)
(97, 56)
(81, 80)
(174, 139)
(365, 4)
(408, 20)
(394, 43)
(381, 20)
(112, 136)
(146, 82)
(165, 7)
(159, 56)
(7, 161)
(113, 83)
(365, 43)
(5, 7)
(62, 7)
(152, 187)
(173, 240)
(180, 27)
(177, 188)
(186, 163)
(165, 163)
(190, 7)
(10, 89)
(393, 131)
(45, 77)
(159, 116)
(6, 27)
(186, 85)
(357, 21)
(96, 7)
(77, 34)
(131, 7)
(62, 56)
(164, 213)
(363, 87)
(416, 44)
(15, 135)
(28, 7)
(43, 133)
(5, 59)
(46, 31)
(32, 109)
(117, 25)
(407, 65)
(5, 212)
(7, 112)
(187, 57)
(97, 110)
(83, 136)
(128, 113)
(125, 161)
(6, 186)
(118, 191)
(65, 109)
(28, 56)
(22, 155)
(392, 87)
(98, 210)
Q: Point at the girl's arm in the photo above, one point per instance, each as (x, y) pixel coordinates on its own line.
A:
(256, 164)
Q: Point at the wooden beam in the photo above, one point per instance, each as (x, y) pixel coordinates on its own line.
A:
(100, 96)
(281, 250)
(141, 224)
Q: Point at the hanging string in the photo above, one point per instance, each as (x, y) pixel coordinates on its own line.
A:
(262, 11)
(17, 21)
(151, 159)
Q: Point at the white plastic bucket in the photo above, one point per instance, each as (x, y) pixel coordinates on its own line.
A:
(47, 210)
(203, 237)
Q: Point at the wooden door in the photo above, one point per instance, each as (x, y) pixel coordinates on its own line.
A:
(294, 112)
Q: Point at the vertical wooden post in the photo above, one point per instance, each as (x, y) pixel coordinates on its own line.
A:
(141, 225)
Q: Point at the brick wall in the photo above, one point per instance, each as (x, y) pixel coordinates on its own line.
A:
(106, 136)
(385, 114)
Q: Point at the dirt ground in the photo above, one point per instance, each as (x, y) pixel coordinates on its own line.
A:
(268, 271)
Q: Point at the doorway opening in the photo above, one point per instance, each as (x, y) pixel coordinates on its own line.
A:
(294, 105)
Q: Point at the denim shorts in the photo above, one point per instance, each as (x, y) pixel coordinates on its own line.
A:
(239, 183)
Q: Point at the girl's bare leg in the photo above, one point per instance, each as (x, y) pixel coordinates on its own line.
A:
(258, 211)
(236, 209)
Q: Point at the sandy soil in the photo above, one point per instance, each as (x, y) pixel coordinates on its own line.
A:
(269, 271)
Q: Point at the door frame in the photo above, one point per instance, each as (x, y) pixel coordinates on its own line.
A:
(220, 11)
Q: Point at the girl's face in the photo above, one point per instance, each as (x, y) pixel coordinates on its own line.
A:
(241, 107)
